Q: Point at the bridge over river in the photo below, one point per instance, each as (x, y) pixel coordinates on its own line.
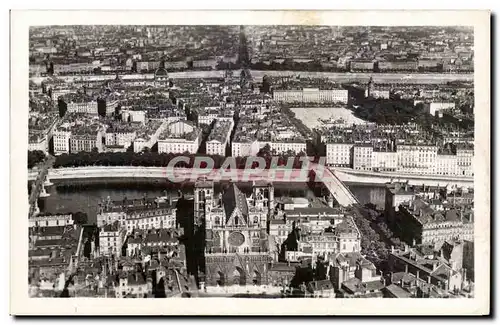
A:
(38, 187)
(334, 179)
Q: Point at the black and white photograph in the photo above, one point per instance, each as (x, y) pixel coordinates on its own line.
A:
(256, 162)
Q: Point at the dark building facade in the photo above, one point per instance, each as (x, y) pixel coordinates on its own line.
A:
(236, 248)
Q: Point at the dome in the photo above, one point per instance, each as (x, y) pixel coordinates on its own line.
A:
(161, 72)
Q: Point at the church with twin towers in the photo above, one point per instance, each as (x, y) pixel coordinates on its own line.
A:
(236, 248)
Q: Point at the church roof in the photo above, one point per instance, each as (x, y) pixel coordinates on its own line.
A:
(233, 198)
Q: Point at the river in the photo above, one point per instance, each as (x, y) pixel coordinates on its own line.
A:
(85, 195)
(413, 78)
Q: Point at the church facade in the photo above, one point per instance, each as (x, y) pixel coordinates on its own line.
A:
(236, 248)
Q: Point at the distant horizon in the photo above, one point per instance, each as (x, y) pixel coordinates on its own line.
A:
(457, 27)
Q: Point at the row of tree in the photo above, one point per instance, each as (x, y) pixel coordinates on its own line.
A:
(290, 65)
(386, 111)
(371, 243)
(395, 110)
(388, 234)
(301, 127)
(154, 159)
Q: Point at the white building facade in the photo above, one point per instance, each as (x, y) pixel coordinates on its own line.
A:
(61, 141)
(339, 154)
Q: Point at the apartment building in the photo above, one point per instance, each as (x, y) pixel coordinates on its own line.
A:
(353, 276)
(288, 95)
(241, 148)
(57, 220)
(435, 107)
(362, 157)
(397, 65)
(427, 273)
(416, 159)
(311, 95)
(122, 135)
(75, 68)
(111, 239)
(358, 65)
(82, 105)
(428, 221)
(133, 285)
(61, 138)
(138, 214)
(120, 138)
(134, 116)
(446, 164)
(86, 138)
(147, 136)
(339, 154)
(343, 239)
(189, 142)
(180, 137)
(155, 238)
(465, 160)
(284, 146)
(384, 160)
(219, 138)
(37, 141)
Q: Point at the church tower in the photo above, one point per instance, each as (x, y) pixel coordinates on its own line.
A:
(369, 89)
(203, 200)
(263, 197)
(228, 75)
